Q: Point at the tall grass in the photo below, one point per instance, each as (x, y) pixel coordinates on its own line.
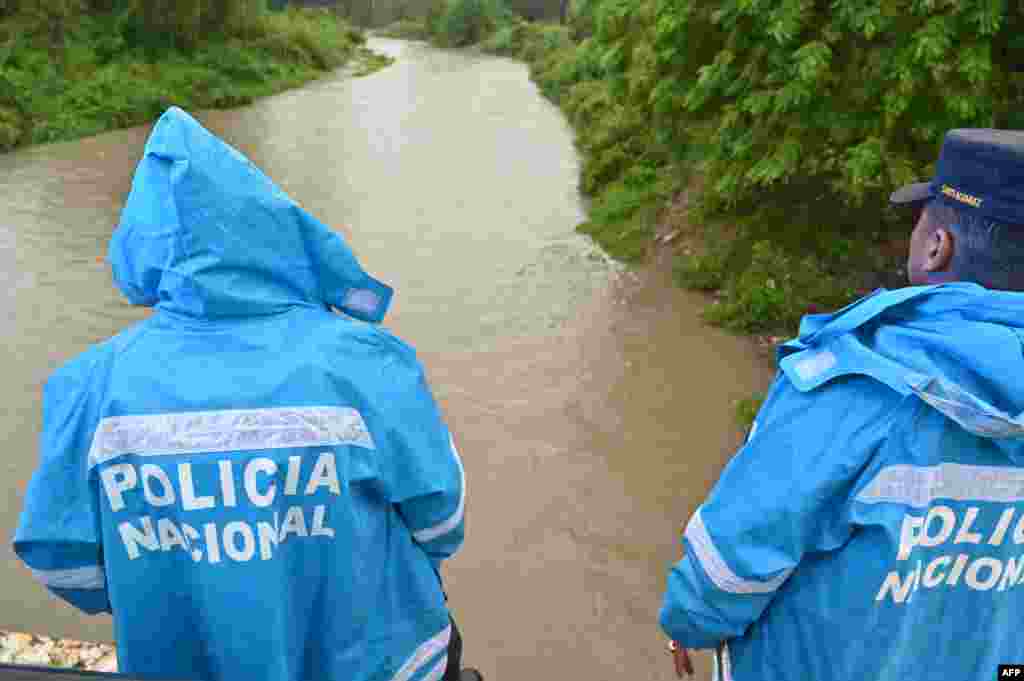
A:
(311, 37)
(106, 79)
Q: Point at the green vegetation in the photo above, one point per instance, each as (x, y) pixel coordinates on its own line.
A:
(796, 118)
(367, 62)
(746, 410)
(793, 118)
(467, 22)
(408, 29)
(72, 68)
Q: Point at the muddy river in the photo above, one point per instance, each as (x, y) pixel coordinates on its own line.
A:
(591, 406)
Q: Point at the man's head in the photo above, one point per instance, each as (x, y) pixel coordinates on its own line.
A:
(949, 244)
(971, 227)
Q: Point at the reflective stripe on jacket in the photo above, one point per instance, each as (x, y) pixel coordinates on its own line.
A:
(872, 526)
(257, 487)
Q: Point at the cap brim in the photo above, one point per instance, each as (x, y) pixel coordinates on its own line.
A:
(912, 193)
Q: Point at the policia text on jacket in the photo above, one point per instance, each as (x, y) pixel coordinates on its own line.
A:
(133, 490)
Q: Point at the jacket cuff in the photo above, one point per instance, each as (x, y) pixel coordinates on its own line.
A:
(689, 629)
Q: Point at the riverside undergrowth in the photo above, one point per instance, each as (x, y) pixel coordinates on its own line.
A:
(105, 71)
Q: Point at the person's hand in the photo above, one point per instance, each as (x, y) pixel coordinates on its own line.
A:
(681, 658)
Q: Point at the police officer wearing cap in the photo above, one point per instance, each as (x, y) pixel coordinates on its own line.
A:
(872, 526)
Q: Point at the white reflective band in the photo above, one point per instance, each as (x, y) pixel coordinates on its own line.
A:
(816, 364)
(363, 300)
(753, 429)
(229, 430)
(920, 485)
(714, 565)
(723, 665)
(425, 652)
(437, 672)
(453, 521)
(88, 577)
(970, 412)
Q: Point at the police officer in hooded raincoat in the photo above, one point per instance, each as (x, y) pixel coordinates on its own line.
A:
(254, 486)
(872, 526)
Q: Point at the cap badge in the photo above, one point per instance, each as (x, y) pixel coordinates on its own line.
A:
(973, 201)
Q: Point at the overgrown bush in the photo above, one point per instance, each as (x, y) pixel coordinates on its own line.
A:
(507, 39)
(581, 18)
(314, 37)
(103, 80)
(777, 288)
(819, 111)
(468, 22)
(12, 127)
(436, 10)
(622, 221)
(704, 271)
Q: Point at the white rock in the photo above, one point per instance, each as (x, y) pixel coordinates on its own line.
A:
(107, 664)
(16, 641)
(37, 656)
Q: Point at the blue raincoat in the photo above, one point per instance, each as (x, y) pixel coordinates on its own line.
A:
(254, 486)
(872, 526)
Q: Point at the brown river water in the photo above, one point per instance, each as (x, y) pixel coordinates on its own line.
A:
(592, 407)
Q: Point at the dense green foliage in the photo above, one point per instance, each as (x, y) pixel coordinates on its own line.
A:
(117, 64)
(456, 23)
(819, 111)
(153, 23)
(798, 116)
(467, 22)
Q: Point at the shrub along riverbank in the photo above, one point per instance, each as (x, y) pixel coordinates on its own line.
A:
(71, 68)
(780, 125)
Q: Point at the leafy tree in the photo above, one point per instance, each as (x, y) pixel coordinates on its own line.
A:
(837, 101)
(184, 24)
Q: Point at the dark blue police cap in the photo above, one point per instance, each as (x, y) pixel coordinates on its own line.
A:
(980, 170)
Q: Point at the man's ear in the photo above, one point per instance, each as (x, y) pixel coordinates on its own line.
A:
(940, 250)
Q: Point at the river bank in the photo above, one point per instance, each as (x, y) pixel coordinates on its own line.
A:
(796, 124)
(102, 77)
(650, 178)
(678, 241)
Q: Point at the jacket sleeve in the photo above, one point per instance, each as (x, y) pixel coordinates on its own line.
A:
(422, 469)
(58, 535)
(783, 495)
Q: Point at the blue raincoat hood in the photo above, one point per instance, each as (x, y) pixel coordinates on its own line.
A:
(957, 346)
(206, 234)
